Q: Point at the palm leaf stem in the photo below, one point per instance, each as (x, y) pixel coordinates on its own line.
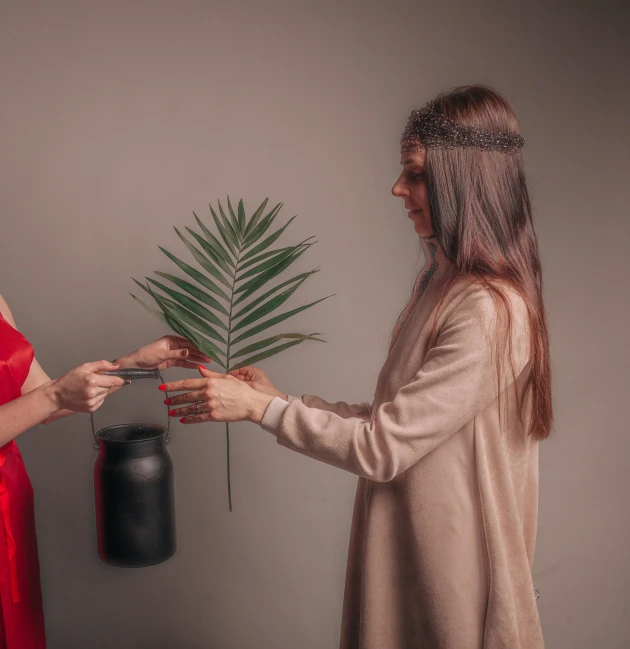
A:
(227, 369)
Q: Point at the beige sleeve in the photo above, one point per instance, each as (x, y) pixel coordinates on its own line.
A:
(341, 408)
(456, 382)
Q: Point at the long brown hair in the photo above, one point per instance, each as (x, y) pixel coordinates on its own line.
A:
(482, 219)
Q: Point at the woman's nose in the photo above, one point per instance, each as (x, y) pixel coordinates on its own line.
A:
(399, 190)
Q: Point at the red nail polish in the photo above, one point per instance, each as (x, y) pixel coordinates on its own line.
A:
(167, 402)
(181, 421)
(162, 387)
(171, 413)
(201, 367)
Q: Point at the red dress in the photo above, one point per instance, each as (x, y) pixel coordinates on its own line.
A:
(21, 612)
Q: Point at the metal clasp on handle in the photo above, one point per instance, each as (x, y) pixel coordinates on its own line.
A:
(132, 374)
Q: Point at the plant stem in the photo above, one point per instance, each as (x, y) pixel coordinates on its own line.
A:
(227, 439)
(227, 369)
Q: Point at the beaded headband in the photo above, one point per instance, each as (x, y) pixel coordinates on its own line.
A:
(429, 127)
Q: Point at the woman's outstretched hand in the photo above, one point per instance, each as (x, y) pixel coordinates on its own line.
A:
(258, 380)
(84, 388)
(168, 351)
(216, 397)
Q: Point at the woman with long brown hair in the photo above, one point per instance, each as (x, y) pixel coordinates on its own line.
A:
(445, 515)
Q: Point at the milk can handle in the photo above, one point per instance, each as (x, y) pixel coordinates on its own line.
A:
(131, 374)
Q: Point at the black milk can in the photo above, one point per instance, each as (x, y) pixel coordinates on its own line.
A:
(134, 491)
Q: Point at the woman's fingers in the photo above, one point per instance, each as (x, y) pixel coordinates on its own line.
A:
(193, 384)
(180, 344)
(96, 393)
(241, 372)
(197, 419)
(178, 340)
(193, 409)
(191, 362)
(94, 404)
(201, 358)
(209, 374)
(180, 386)
(102, 381)
(188, 397)
(197, 355)
(189, 365)
(100, 366)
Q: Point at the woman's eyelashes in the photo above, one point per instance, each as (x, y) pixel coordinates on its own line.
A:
(416, 176)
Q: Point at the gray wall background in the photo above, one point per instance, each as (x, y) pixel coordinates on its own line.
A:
(118, 119)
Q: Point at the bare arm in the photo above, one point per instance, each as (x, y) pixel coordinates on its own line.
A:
(25, 412)
(36, 378)
(44, 399)
(168, 351)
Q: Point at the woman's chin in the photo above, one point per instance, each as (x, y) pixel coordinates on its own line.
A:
(423, 232)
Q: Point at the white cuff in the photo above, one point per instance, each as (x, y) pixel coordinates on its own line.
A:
(271, 419)
(292, 398)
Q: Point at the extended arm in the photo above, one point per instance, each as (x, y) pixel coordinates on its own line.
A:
(44, 392)
(258, 380)
(456, 382)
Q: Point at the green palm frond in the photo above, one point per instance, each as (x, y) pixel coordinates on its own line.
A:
(233, 297)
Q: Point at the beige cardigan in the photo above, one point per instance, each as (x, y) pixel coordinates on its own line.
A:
(444, 523)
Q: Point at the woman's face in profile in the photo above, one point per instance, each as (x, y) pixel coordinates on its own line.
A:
(411, 186)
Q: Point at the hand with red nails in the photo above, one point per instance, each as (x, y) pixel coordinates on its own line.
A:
(216, 397)
(168, 351)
